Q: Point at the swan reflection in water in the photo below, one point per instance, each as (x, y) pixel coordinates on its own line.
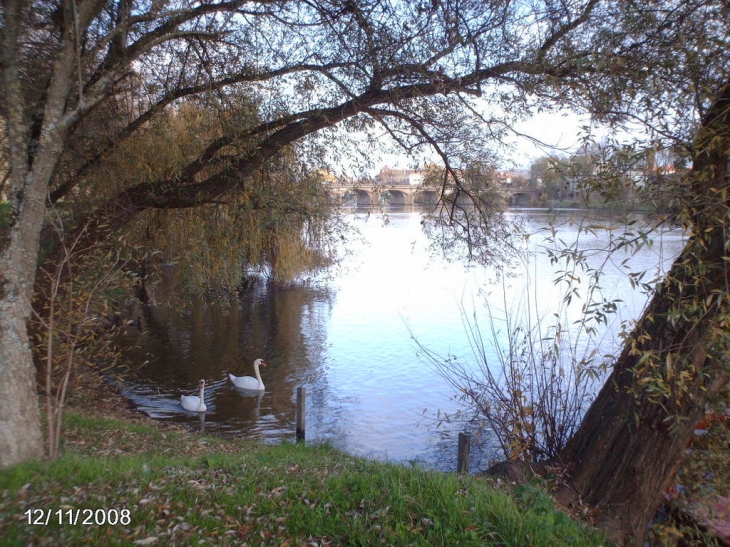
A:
(201, 421)
(249, 394)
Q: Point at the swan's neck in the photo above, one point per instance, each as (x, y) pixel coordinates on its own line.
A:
(258, 375)
(202, 401)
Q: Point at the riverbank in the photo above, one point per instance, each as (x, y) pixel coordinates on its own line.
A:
(130, 481)
(135, 481)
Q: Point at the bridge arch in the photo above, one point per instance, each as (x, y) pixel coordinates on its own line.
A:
(526, 196)
(425, 197)
(359, 197)
(394, 198)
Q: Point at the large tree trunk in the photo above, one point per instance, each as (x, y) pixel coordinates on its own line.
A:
(627, 449)
(30, 174)
(20, 433)
(636, 431)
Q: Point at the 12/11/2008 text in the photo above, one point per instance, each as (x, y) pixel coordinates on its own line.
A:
(79, 517)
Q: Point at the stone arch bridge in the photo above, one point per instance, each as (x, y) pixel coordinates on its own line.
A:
(407, 194)
(381, 195)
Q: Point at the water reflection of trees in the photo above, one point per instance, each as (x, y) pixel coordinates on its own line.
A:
(285, 325)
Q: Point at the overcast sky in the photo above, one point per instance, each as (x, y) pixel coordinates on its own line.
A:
(557, 130)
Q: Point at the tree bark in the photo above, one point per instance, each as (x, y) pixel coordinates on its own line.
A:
(20, 434)
(30, 174)
(634, 435)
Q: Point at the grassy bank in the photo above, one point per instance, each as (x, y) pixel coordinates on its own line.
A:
(175, 488)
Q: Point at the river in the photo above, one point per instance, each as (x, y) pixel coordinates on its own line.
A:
(348, 338)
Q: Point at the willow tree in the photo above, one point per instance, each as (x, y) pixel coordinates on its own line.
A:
(414, 69)
(278, 222)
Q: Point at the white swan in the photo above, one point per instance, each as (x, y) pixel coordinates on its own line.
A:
(248, 382)
(193, 403)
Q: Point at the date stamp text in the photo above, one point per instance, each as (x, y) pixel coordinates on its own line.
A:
(78, 517)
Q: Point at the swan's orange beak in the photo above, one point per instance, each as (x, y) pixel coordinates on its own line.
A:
(263, 363)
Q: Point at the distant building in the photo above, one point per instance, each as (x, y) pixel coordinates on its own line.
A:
(398, 177)
(514, 177)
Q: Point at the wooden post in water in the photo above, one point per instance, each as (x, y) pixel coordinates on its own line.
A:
(301, 406)
(462, 456)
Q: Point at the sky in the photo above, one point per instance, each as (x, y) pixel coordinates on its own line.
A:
(559, 131)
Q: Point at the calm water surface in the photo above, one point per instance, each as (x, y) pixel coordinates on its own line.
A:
(348, 341)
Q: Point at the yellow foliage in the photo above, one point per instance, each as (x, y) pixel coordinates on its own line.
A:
(277, 222)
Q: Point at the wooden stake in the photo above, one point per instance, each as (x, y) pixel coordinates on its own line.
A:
(462, 457)
(301, 407)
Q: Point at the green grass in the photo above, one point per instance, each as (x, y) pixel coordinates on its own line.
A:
(183, 489)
